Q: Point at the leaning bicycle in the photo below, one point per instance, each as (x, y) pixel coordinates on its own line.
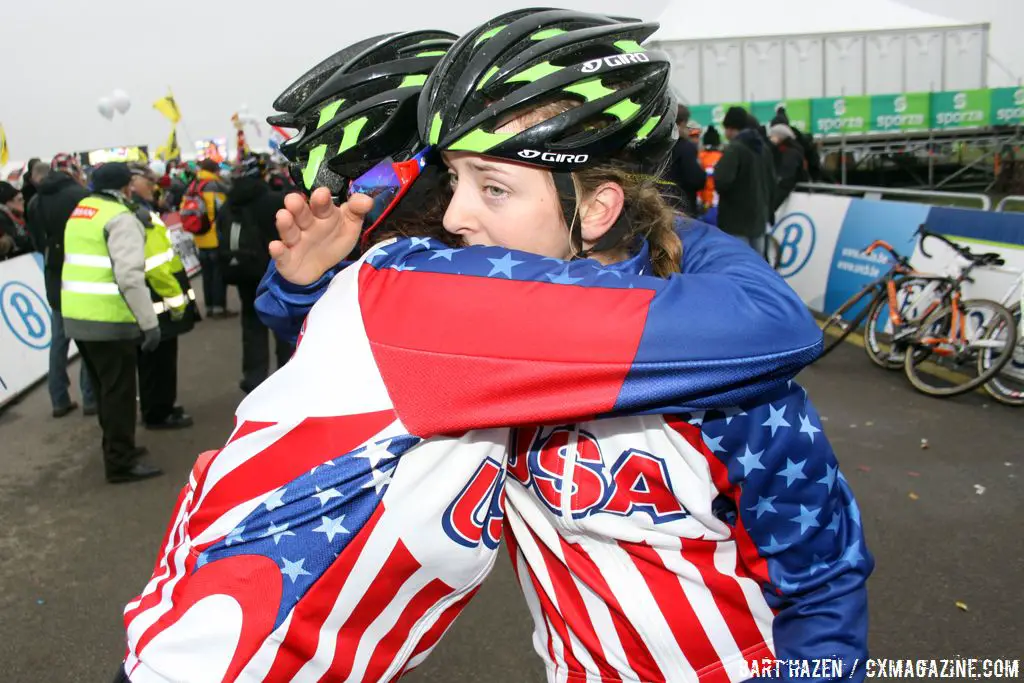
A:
(1007, 386)
(961, 334)
(890, 306)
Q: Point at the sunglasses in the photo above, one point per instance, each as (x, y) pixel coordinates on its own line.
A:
(386, 183)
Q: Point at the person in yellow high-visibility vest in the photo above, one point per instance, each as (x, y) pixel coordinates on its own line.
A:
(173, 302)
(107, 310)
(208, 183)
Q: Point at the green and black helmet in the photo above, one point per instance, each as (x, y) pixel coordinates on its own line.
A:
(530, 58)
(357, 107)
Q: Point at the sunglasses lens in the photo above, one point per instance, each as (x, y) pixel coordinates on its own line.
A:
(385, 183)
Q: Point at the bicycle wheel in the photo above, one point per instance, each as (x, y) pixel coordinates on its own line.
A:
(1007, 386)
(885, 346)
(937, 367)
(836, 328)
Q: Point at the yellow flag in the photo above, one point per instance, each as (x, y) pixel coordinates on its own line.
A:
(168, 107)
(4, 154)
(171, 149)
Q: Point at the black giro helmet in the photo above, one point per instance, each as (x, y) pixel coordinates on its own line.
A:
(533, 57)
(357, 107)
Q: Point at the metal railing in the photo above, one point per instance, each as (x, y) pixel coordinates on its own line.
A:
(961, 199)
(1010, 200)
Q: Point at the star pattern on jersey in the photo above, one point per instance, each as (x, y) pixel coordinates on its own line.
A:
(304, 525)
(793, 501)
(430, 255)
(503, 266)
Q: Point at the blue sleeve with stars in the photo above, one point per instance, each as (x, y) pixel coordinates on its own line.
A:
(282, 306)
(799, 528)
(722, 332)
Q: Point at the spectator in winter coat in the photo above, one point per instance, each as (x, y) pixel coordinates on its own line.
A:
(740, 178)
(215, 291)
(35, 171)
(14, 238)
(684, 169)
(709, 157)
(806, 142)
(790, 163)
(48, 214)
(247, 223)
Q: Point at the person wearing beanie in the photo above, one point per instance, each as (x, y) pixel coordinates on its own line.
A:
(15, 240)
(213, 190)
(790, 163)
(709, 158)
(174, 302)
(107, 310)
(743, 181)
(684, 169)
(248, 225)
(46, 216)
(35, 171)
(780, 116)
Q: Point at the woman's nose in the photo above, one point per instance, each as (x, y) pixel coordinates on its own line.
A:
(459, 216)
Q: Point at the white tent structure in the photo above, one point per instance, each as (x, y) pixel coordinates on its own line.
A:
(751, 50)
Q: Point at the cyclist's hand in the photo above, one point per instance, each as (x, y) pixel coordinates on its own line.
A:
(316, 235)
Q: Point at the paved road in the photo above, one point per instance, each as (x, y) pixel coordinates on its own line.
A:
(74, 550)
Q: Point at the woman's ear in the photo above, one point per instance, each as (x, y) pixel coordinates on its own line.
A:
(599, 211)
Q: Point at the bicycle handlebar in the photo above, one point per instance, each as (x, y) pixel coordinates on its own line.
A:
(989, 259)
(882, 244)
(925, 234)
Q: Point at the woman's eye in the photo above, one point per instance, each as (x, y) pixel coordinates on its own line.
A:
(495, 191)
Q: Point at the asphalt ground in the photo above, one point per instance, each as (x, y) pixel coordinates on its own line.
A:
(945, 524)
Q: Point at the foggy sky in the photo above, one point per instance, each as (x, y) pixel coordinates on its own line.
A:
(215, 55)
(63, 55)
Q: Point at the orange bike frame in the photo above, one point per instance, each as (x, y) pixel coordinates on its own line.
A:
(894, 314)
(957, 327)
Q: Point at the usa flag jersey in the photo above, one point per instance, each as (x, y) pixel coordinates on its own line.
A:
(690, 547)
(352, 514)
(686, 547)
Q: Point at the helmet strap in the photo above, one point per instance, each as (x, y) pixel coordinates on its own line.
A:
(612, 237)
(566, 189)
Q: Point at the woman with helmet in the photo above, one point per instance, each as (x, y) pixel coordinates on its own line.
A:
(298, 551)
(411, 318)
(680, 547)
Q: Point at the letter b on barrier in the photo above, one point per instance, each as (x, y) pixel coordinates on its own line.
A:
(796, 236)
(26, 314)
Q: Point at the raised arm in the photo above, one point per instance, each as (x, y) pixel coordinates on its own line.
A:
(483, 336)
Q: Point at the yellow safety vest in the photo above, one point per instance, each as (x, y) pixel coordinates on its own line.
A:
(89, 291)
(162, 263)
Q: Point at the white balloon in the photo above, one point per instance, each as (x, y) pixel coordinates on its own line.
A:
(106, 108)
(121, 101)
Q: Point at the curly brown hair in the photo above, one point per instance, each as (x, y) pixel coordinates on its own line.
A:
(644, 209)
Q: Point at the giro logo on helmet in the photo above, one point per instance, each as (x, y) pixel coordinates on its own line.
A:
(615, 60)
(553, 157)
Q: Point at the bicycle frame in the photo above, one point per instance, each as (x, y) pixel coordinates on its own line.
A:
(957, 327)
(895, 317)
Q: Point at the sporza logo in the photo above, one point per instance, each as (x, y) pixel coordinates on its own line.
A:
(839, 107)
(796, 236)
(553, 157)
(900, 104)
(593, 65)
(959, 100)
